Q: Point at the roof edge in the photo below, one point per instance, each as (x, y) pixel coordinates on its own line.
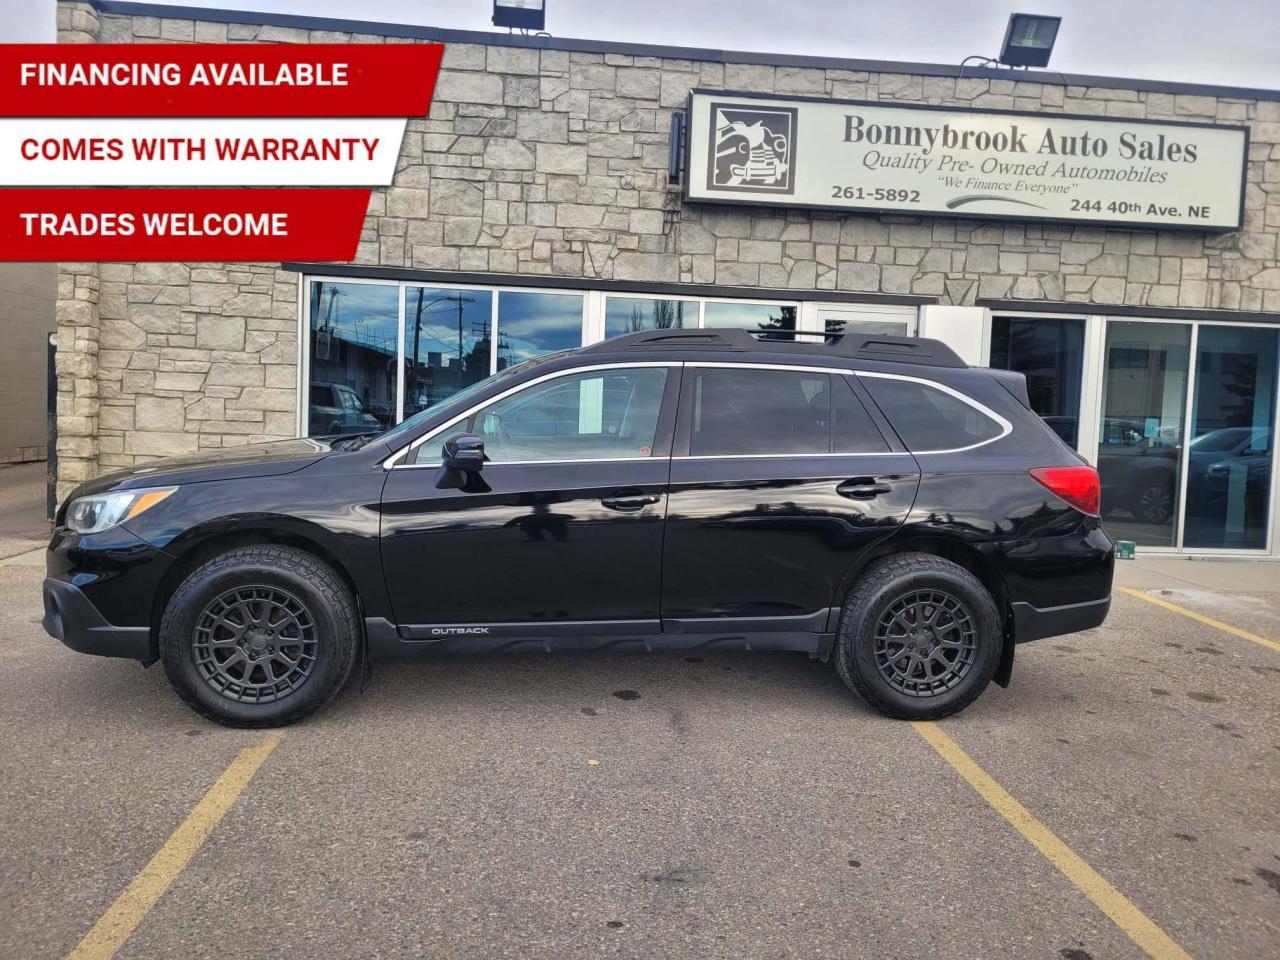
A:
(213, 15)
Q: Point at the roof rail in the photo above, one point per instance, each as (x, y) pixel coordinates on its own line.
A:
(859, 346)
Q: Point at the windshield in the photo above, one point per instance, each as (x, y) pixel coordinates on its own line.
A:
(458, 401)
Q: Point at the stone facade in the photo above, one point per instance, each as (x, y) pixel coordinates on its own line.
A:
(554, 163)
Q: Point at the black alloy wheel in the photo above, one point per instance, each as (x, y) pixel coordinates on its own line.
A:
(925, 643)
(255, 644)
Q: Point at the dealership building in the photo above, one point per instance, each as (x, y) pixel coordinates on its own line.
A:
(1115, 240)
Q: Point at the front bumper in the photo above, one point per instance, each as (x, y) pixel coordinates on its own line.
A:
(1036, 623)
(71, 617)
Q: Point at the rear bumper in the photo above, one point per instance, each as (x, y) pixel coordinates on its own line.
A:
(71, 617)
(1036, 623)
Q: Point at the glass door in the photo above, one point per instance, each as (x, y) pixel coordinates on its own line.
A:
(1141, 429)
(1232, 438)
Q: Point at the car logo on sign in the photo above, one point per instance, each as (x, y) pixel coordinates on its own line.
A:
(752, 149)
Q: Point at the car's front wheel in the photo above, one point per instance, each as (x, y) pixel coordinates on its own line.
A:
(919, 637)
(261, 635)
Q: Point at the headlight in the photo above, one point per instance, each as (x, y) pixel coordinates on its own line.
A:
(102, 511)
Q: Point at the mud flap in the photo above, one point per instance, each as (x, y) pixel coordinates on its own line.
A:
(1004, 669)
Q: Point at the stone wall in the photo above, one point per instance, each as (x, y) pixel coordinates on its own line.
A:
(553, 163)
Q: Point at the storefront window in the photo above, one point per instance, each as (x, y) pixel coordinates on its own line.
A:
(1233, 422)
(354, 333)
(749, 316)
(531, 324)
(631, 314)
(1141, 431)
(1050, 353)
(446, 343)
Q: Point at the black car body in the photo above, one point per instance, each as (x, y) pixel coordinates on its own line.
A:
(669, 490)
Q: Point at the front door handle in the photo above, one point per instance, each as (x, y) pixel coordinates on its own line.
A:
(862, 488)
(631, 503)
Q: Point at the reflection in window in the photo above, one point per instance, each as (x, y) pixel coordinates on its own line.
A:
(749, 316)
(1233, 420)
(531, 324)
(632, 314)
(590, 416)
(1050, 353)
(839, 326)
(354, 330)
(1144, 392)
(446, 343)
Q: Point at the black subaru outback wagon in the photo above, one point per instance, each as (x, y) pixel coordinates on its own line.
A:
(874, 501)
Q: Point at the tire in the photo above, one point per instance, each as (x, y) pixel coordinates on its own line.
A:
(956, 672)
(232, 628)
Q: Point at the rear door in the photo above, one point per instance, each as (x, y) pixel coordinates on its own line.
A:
(781, 477)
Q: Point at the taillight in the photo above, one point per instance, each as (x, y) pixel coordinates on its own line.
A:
(1078, 486)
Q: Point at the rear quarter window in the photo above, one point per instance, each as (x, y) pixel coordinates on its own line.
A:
(928, 418)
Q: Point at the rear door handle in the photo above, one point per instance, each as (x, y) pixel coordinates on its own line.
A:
(862, 488)
(631, 503)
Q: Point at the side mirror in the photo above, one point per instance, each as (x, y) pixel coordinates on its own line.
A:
(464, 452)
(461, 459)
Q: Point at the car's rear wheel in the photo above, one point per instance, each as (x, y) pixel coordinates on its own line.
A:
(259, 636)
(919, 637)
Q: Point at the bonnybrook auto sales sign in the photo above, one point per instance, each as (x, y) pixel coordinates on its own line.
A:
(847, 155)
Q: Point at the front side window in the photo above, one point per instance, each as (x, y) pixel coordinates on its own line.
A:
(597, 415)
(745, 412)
(928, 419)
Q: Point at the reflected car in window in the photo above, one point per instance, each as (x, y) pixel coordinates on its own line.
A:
(1139, 472)
(335, 409)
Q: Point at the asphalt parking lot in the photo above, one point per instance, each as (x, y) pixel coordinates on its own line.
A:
(727, 805)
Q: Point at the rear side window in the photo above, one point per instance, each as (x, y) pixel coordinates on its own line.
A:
(927, 418)
(744, 412)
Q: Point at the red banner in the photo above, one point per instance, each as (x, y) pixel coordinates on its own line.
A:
(173, 225)
(218, 80)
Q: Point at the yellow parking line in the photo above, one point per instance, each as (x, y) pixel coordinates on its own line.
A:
(123, 916)
(1137, 925)
(1200, 617)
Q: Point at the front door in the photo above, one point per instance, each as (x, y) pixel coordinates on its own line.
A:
(781, 479)
(562, 526)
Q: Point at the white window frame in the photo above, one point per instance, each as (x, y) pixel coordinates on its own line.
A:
(1193, 370)
(881, 313)
(1091, 399)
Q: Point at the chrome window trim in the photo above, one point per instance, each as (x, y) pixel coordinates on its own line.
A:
(789, 456)
(1006, 428)
(393, 462)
